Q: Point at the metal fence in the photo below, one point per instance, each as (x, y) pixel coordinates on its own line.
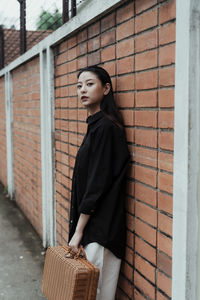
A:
(15, 42)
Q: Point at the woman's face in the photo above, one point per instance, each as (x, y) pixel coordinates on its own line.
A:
(91, 91)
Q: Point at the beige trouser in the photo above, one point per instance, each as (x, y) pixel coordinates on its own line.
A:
(109, 266)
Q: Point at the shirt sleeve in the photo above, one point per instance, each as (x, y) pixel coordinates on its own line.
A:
(99, 177)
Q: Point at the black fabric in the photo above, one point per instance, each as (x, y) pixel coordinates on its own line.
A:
(98, 184)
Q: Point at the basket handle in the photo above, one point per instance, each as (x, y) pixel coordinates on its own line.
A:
(75, 255)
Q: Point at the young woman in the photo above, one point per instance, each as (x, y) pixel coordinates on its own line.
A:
(97, 217)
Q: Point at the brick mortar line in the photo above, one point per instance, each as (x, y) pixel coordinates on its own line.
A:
(64, 175)
(60, 213)
(148, 186)
(150, 128)
(148, 70)
(61, 163)
(125, 278)
(15, 134)
(122, 291)
(153, 207)
(28, 192)
(71, 144)
(152, 264)
(62, 229)
(26, 100)
(154, 48)
(33, 175)
(152, 149)
(70, 155)
(77, 109)
(58, 203)
(60, 151)
(151, 8)
(29, 155)
(61, 225)
(147, 279)
(15, 102)
(164, 294)
(29, 170)
(141, 293)
(170, 88)
(26, 123)
(156, 228)
(25, 116)
(20, 183)
(151, 109)
(34, 152)
(153, 168)
(66, 199)
(27, 85)
(133, 198)
(36, 200)
(160, 251)
(28, 131)
(154, 247)
(156, 209)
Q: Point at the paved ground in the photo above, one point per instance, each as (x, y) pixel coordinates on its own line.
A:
(21, 255)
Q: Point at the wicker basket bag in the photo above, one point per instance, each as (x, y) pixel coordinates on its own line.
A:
(69, 276)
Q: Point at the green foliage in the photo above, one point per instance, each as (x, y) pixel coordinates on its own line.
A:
(49, 21)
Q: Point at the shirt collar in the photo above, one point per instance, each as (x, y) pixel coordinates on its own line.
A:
(93, 118)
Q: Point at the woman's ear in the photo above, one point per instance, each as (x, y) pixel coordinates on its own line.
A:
(107, 89)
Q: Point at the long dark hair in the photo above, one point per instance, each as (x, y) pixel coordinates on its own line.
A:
(107, 105)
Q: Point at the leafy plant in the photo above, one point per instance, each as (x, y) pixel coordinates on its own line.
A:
(49, 21)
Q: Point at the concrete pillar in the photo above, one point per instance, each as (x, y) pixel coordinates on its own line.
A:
(47, 146)
(9, 136)
(186, 211)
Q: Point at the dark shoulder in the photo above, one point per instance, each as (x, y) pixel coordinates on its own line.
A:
(106, 125)
(106, 131)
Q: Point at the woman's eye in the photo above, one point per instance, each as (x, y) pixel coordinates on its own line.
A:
(78, 87)
(89, 83)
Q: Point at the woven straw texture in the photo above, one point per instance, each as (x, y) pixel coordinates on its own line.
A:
(67, 278)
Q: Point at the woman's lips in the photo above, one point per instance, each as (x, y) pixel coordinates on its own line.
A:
(84, 98)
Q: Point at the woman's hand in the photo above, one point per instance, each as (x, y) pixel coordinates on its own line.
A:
(77, 237)
(75, 241)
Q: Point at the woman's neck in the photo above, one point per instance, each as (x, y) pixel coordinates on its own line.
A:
(93, 111)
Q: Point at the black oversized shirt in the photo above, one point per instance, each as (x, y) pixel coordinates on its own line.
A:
(98, 184)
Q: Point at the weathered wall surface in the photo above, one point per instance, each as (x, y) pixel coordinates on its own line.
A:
(26, 141)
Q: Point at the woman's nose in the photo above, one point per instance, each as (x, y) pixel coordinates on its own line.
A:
(83, 89)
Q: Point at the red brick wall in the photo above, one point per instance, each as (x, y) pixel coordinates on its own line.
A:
(26, 141)
(3, 155)
(136, 44)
